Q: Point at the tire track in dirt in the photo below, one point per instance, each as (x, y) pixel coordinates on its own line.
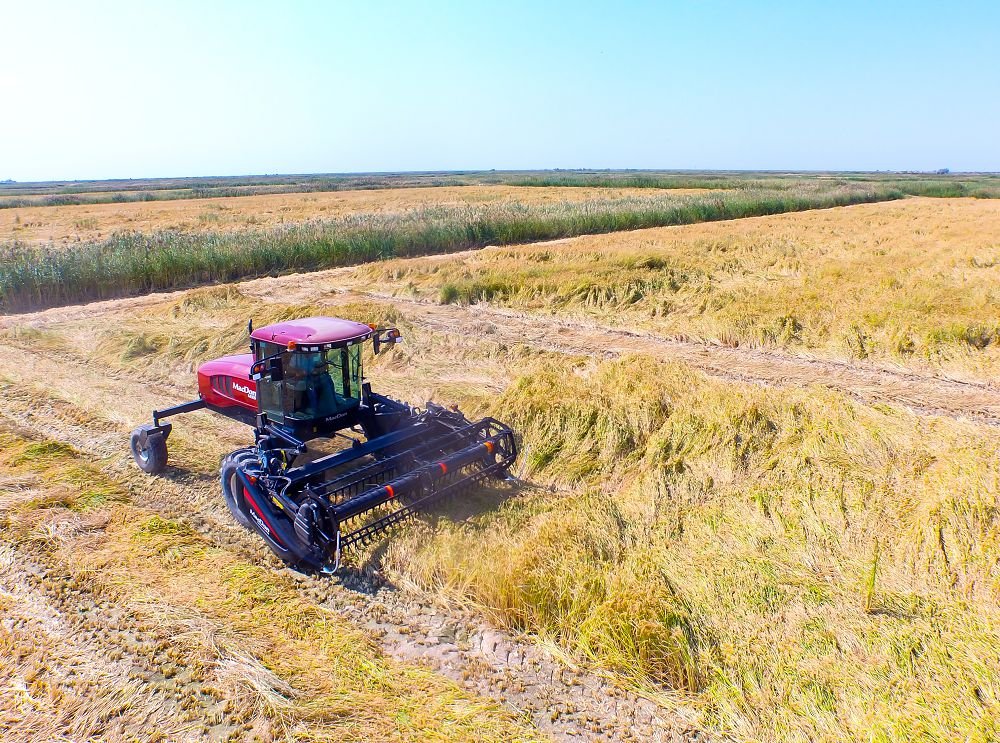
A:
(561, 701)
(101, 666)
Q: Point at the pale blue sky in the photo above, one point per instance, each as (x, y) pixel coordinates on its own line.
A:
(102, 90)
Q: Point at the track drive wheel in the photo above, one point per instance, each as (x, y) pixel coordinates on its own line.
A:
(149, 450)
(231, 484)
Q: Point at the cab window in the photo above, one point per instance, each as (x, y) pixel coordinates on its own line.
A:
(316, 384)
(269, 393)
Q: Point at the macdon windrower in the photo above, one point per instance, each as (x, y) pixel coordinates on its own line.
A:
(302, 381)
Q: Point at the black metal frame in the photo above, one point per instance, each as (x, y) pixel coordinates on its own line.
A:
(185, 407)
(310, 513)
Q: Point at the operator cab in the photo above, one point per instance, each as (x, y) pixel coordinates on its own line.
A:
(309, 373)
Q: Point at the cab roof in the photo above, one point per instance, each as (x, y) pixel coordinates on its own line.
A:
(312, 330)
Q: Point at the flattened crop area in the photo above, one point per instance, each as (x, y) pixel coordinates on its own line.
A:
(65, 224)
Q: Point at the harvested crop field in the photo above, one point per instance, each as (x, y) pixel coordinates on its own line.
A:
(88, 222)
(728, 535)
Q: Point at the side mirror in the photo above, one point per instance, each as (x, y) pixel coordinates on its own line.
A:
(275, 369)
(389, 336)
(269, 367)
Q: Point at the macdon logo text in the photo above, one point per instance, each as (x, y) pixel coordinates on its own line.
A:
(260, 523)
(252, 394)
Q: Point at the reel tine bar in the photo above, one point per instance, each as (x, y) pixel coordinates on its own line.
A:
(400, 484)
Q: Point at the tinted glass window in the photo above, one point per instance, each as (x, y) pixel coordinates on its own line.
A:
(318, 384)
(269, 393)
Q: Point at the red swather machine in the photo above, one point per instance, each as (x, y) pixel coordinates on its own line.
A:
(303, 381)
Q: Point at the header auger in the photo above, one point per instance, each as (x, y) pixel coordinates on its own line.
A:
(303, 381)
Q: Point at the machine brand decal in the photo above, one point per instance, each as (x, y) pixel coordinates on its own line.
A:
(258, 517)
(260, 522)
(252, 394)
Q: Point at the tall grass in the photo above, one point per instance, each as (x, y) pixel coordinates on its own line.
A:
(977, 186)
(626, 180)
(131, 263)
(978, 189)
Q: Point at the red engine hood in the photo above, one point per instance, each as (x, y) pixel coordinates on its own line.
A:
(233, 366)
(226, 382)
